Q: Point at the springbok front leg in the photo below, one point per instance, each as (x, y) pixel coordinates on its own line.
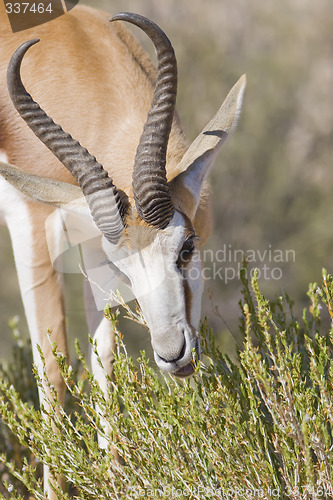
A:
(40, 286)
(102, 332)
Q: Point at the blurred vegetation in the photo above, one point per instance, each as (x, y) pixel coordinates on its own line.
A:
(258, 428)
(273, 180)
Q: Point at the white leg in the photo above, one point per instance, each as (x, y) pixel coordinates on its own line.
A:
(104, 338)
(101, 330)
(40, 285)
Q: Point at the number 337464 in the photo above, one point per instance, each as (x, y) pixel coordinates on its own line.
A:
(28, 8)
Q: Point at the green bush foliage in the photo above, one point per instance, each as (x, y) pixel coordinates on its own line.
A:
(259, 427)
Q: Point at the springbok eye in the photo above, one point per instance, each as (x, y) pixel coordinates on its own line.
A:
(186, 253)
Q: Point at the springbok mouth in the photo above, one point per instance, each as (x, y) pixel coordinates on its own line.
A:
(185, 371)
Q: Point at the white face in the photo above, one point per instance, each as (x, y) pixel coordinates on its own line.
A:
(164, 271)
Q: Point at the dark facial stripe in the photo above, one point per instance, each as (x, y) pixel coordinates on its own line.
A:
(188, 300)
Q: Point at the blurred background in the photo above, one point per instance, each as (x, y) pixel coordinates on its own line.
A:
(272, 184)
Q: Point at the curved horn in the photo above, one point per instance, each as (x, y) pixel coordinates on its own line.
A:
(102, 196)
(151, 191)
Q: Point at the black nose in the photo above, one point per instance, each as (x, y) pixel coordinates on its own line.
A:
(182, 352)
(180, 355)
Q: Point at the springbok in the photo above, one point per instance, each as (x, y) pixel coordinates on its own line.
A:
(147, 206)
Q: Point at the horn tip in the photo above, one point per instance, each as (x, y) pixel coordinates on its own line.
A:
(30, 43)
(122, 16)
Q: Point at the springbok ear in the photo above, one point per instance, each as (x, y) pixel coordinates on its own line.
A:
(50, 191)
(200, 156)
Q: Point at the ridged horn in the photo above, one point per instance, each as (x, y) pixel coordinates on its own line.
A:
(150, 188)
(102, 196)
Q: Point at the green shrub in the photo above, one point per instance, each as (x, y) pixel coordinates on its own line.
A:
(256, 428)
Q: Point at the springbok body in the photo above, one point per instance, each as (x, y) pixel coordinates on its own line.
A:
(146, 206)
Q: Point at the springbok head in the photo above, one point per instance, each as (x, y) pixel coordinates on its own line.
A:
(149, 234)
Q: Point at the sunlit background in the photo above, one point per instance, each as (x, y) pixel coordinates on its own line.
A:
(273, 182)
